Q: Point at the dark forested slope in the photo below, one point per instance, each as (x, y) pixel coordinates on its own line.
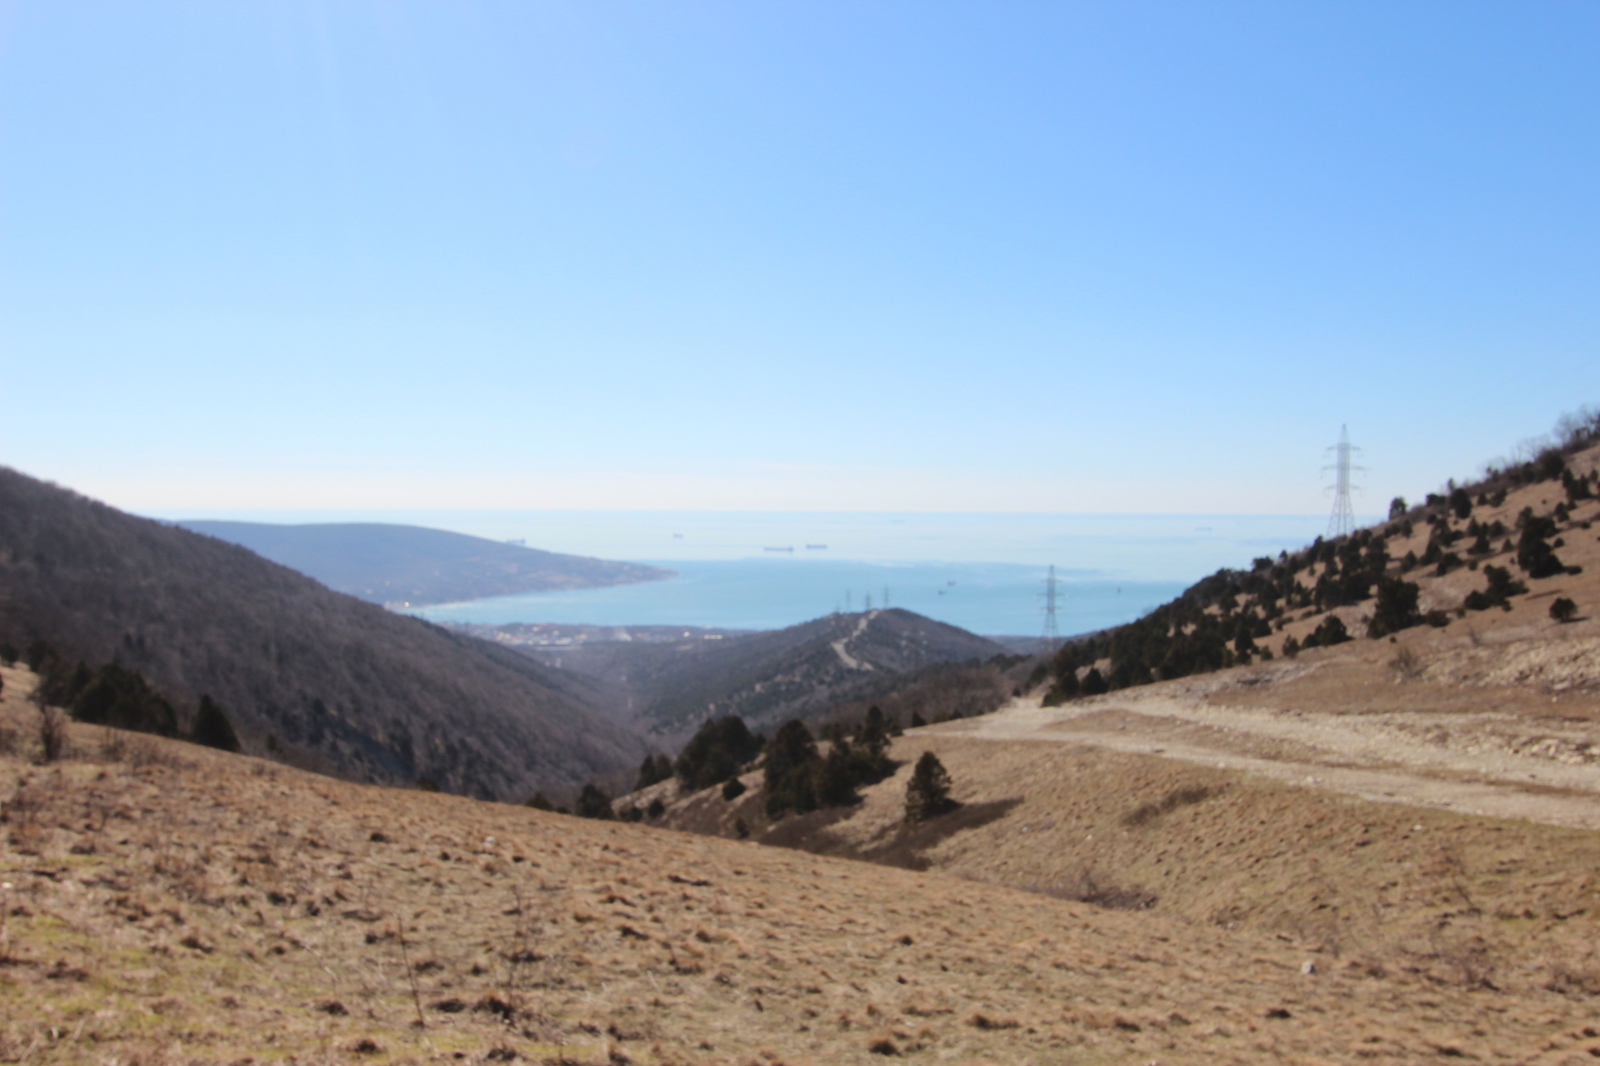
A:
(392, 563)
(768, 677)
(375, 695)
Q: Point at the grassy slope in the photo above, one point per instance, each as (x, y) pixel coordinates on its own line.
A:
(1449, 899)
(177, 904)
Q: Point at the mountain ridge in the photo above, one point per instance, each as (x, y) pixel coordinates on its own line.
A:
(416, 565)
(371, 694)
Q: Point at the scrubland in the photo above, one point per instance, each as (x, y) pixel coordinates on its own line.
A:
(1387, 850)
(168, 903)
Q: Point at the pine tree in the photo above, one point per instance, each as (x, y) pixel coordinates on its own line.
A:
(212, 728)
(836, 780)
(790, 760)
(928, 794)
(594, 803)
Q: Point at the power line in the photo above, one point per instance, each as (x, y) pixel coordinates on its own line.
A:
(1343, 519)
(1052, 636)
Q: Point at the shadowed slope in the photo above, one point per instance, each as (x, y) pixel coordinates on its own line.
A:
(374, 695)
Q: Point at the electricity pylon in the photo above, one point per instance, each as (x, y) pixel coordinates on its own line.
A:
(1052, 637)
(1343, 519)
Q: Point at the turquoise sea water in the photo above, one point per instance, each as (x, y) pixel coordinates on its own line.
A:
(983, 572)
(770, 593)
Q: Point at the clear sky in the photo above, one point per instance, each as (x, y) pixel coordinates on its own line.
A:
(860, 255)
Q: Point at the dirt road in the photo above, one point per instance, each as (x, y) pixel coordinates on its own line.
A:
(1468, 759)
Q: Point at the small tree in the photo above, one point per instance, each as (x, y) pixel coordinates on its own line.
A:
(540, 802)
(212, 728)
(928, 794)
(1066, 687)
(1397, 508)
(654, 769)
(1094, 683)
(790, 760)
(1563, 609)
(1396, 608)
(836, 779)
(594, 803)
(1329, 632)
(873, 734)
(1534, 553)
(716, 751)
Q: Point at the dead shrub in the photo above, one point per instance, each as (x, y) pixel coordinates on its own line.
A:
(52, 734)
(24, 812)
(113, 745)
(1407, 663)
(1146, 813)
(146, 751)
(983, 1021)
(1085, 886)
(10, 741)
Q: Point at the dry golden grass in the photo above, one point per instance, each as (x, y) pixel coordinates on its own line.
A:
(190, 906)
(168, 904)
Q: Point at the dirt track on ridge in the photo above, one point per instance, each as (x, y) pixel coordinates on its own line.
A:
(1467, 758)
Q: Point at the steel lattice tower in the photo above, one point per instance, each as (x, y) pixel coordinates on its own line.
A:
(1051, 636)
(1343, 519)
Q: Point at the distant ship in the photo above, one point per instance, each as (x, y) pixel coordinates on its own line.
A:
(790, 548)
(816, 547)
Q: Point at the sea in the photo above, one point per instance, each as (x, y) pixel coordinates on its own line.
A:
(987, 573)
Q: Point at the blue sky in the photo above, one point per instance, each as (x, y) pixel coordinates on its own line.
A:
(922, 256)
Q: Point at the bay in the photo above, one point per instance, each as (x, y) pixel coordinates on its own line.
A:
(768, 569)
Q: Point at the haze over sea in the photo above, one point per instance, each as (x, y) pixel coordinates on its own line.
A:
(981, 571)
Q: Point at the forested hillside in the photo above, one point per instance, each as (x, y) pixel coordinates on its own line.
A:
(669, 688)
(1467, 549)
(298, 668)
(409, 564)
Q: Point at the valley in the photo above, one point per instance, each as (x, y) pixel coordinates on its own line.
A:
(1307, 847)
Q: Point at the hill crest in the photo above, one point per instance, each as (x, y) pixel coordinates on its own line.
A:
(414, 566)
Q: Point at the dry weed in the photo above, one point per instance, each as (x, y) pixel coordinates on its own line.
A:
(1085, 886)
(1407, 663)
(113, 745)
(52, 734)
